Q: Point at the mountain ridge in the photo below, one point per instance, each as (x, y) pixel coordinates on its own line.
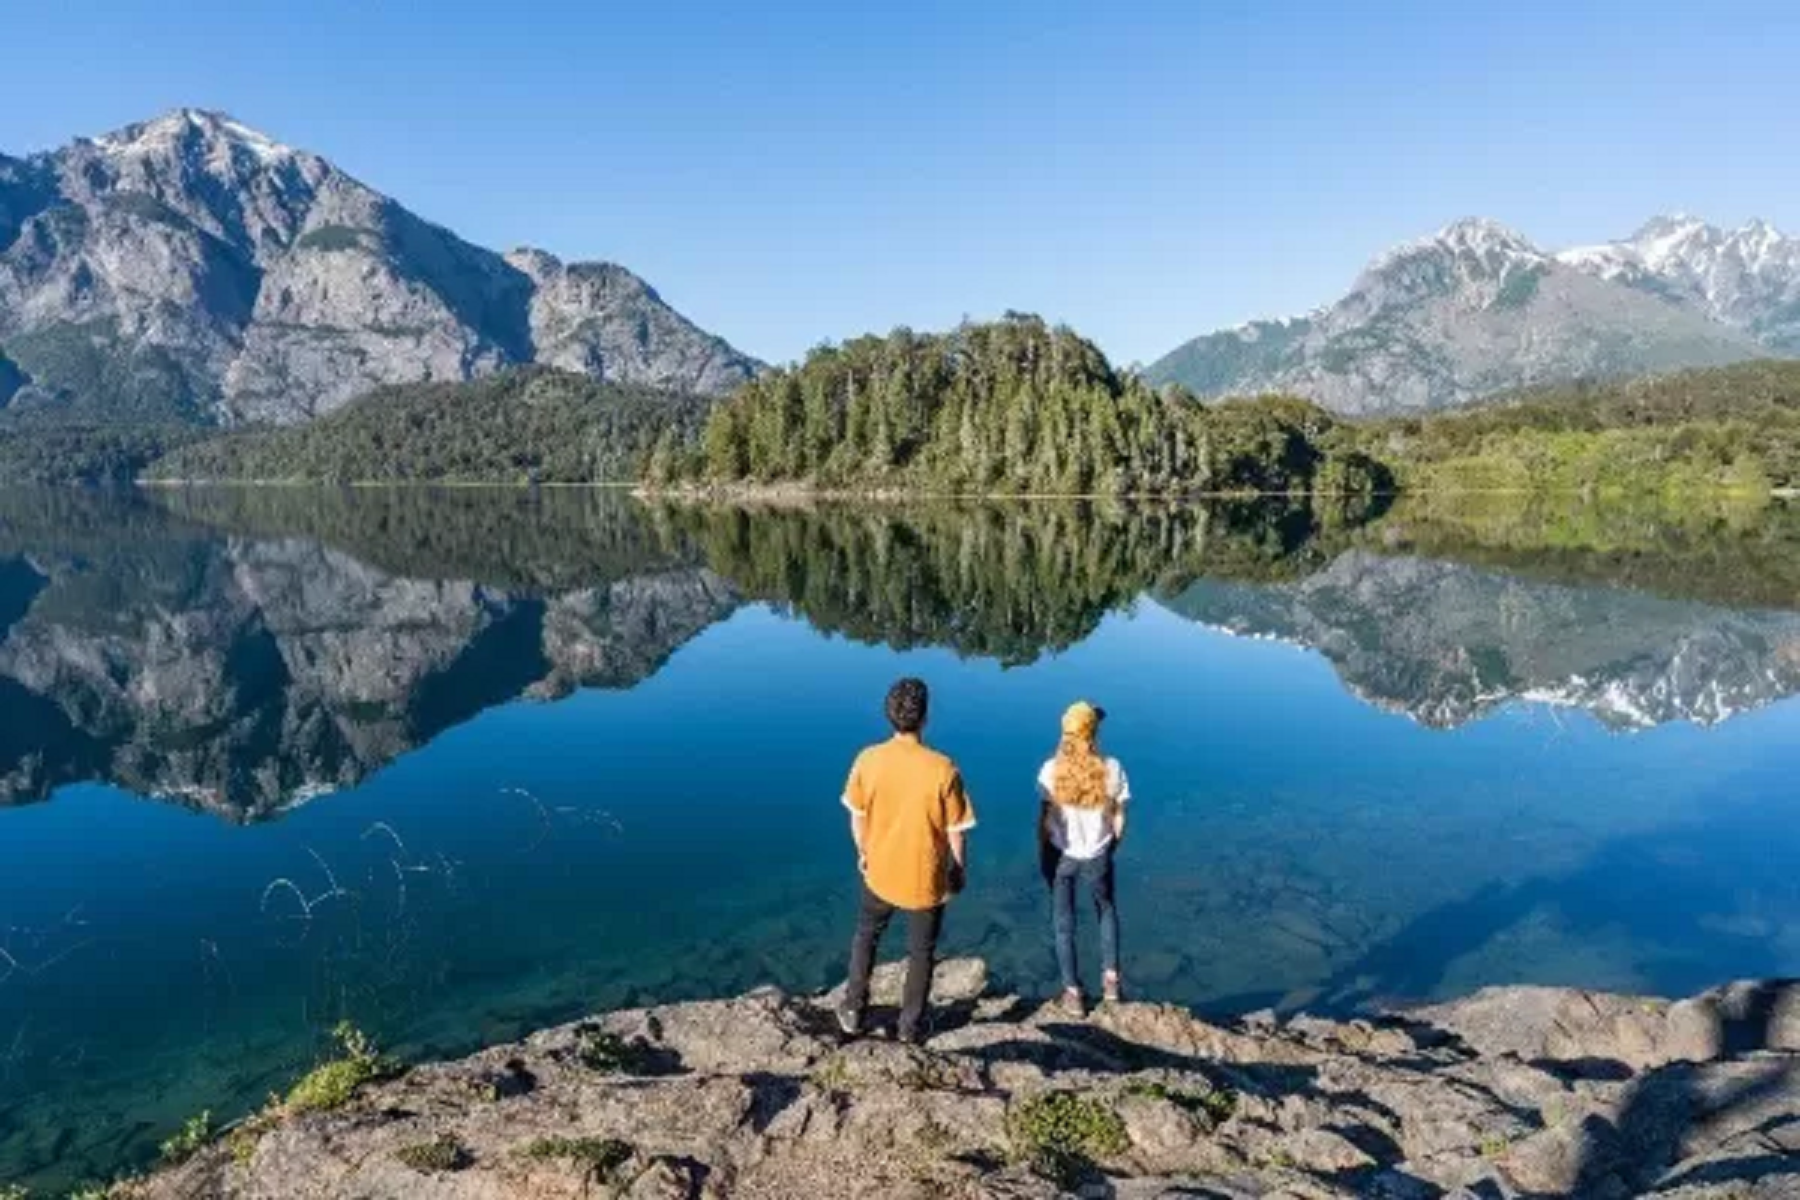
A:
(1477, 309)
(194, 264)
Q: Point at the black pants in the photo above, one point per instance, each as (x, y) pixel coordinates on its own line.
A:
(922, 928)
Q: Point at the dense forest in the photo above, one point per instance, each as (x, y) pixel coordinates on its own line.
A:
(1735, 428)
(1009, 407)
(42, 448)
(530, 425)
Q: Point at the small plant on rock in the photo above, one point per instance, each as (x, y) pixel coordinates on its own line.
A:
(440, 1154)
(189, 1140)
(833, 1074)
(599, 1158)
(330, 1085)
(611, 1054)
(1062, 1134)
(1214, 1106)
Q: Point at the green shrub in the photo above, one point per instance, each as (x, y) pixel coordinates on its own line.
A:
(440, 1154)
(1062, 1134)
(611, 1054)
(330, 1085)
(189, 1140)
(599, 1157)
(1215, 1105)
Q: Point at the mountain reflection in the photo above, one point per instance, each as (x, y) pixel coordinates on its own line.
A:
(243, 650)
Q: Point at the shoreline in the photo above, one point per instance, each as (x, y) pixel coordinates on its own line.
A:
(1512, 1090)
(775, 494)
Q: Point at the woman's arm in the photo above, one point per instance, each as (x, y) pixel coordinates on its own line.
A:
(1121, 796)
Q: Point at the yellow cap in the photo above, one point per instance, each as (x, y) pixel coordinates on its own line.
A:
(1081, 719)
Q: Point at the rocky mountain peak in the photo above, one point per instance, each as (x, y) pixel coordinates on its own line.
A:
(1746, 278)
(1477, 309)
(1484, 245)
(194, 264)
(183, 128)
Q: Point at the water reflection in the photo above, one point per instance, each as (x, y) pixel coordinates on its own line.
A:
(668, 826)
(245, 650)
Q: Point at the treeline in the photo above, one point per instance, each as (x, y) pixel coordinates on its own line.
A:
(1008, 407)
(41, 449)
(533, 425)
(1735, 428)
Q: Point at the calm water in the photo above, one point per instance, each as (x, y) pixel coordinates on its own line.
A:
(458, 766)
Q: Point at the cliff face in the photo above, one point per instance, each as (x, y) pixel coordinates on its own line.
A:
(195, 266)
(1512, 1092)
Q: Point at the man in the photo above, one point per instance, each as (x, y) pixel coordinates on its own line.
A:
(909, 817)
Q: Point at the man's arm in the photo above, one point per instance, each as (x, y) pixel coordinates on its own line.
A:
(959, 818)
(856, 799)
(859, 829)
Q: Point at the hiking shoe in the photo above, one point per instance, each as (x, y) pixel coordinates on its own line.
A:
(849, 1021)
(915, 1035)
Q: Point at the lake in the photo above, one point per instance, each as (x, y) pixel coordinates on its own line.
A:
(457, 765)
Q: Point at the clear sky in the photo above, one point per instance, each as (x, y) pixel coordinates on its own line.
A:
(791, 173)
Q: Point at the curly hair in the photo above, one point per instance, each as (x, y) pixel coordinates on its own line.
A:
(907, 703)
(1080, 777)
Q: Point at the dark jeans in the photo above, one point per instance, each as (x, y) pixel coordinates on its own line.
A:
(1063, 873)
(922, 928)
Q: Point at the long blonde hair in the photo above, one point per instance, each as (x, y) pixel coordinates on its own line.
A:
(1079, 780)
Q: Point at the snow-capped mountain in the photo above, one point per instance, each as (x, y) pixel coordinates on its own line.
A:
(191, 263)
(1472, 310)
(1446, 643)
(1747, 278)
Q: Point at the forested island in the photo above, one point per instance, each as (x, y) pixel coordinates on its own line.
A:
(1010, 407)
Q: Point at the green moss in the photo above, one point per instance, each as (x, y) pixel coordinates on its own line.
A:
(189, 1140)
(330, 1085)
(611, 1054)
(833, 1074)
(440, 1154)
(1214, 1105)
(1063, 1134)
(600, 1158)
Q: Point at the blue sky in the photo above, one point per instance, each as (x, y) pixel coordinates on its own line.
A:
(787, 174)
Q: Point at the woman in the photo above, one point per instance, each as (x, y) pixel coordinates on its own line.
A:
(1081, 820)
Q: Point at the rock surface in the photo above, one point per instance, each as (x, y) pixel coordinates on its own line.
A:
(193, 266)
(1477, 309)
(1513, 1092)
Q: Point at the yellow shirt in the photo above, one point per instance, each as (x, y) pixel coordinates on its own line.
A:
(911, 800)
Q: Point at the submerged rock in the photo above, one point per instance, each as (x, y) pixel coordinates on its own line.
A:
(1511, 1092)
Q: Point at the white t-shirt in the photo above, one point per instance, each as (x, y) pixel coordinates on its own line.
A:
(1082, 832)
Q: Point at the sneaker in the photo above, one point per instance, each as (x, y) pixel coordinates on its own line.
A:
(849, 1021)
(916, 1035)
(1110, 989)
(1072, 1003)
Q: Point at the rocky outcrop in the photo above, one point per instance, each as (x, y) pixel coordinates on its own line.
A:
(193, 266)
(1514, 1092)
